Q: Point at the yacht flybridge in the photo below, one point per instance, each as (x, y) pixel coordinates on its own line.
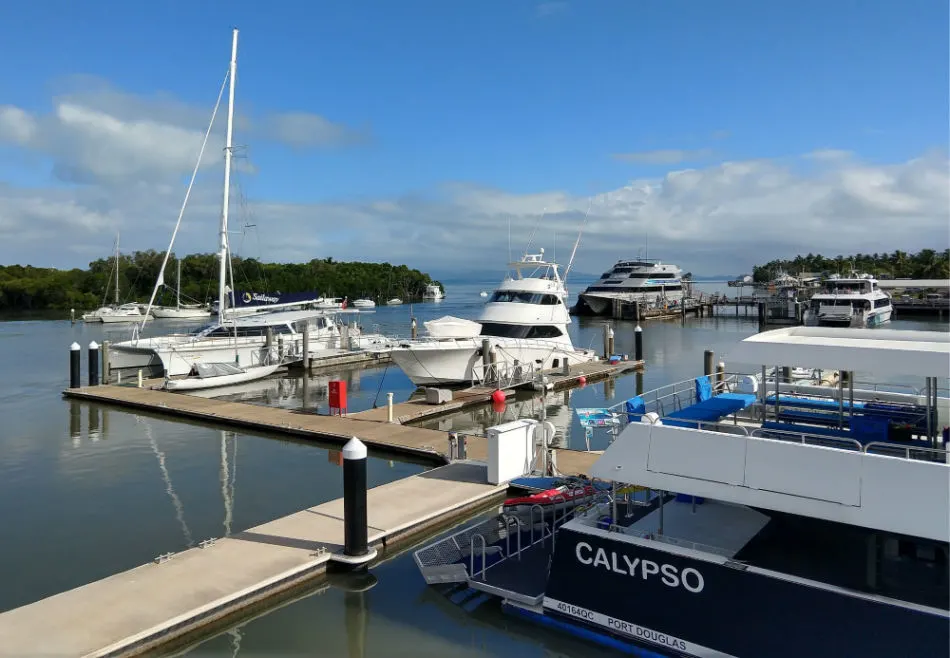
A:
(743, 515)
(642, 280)
(854, 301)
(525, 323)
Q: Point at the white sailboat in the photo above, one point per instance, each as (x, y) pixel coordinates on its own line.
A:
(117, 312)
(181, 311)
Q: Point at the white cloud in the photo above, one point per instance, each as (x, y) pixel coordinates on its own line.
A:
(664, 156)
(130, 154)
(95, 133)
(306, 130)
(828, 155)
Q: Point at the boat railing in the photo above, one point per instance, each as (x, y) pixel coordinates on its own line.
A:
(889, 449)
(841, 443)
(502, 373)
(670, 398)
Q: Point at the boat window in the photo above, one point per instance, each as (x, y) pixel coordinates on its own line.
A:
(520, 297)
(657, 287)
(613, 281)
(502, 330)
(882, 302)
(654, 275)
(283, 329)
(544, 332)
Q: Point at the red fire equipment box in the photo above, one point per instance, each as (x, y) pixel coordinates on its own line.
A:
(338, 397)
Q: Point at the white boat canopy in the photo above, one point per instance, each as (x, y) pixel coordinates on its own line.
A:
(884, 352)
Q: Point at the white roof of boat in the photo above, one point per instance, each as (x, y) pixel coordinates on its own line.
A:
(879, 351)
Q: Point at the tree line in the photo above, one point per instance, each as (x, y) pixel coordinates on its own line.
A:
(24, 287)
(925, 264)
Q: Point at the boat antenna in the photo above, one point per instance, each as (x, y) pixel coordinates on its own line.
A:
(535, 230)
(509, 238)
(578, 241)
(181, 213)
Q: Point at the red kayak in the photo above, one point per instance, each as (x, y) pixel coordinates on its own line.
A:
(552, 501)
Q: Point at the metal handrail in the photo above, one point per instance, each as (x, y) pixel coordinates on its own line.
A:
(471, 555)
(886, 447)
(803, 438)
(508, 520)
(531, 521)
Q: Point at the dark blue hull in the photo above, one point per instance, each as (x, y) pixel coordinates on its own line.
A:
(688, 606)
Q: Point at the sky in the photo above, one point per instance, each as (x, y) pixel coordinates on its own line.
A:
(713, 134)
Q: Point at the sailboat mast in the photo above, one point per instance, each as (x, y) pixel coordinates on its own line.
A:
(223, 247)
(117, 269)
(178, 293)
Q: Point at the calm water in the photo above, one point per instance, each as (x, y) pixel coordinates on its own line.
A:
(87, 491)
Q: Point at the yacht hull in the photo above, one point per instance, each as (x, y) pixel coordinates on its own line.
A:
(460, 361)
(873, 318)
(115, 319)
(602, 303)
(176, 358)
(180, 313)
(593, 579)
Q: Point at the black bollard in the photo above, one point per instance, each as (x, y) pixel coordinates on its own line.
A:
(74, 357)
(93, 363)
(708, 362)
(354, 498)
(638, 343)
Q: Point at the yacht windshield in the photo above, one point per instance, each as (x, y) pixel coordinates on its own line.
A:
(502, 330)
(520, 297)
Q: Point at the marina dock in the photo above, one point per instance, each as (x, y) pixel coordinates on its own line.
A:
(174, 596)
(177, 597)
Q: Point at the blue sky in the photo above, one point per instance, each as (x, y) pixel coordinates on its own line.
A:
(526, 99)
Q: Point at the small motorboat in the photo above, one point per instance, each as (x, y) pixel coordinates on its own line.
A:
(557, 500)
(364, 303)
(395, 301)
(210, 375)
(483, 294)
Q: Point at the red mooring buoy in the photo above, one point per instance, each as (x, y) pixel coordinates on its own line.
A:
(582, 381)
(498, 396)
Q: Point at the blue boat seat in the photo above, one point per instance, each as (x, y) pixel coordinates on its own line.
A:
(710, 409)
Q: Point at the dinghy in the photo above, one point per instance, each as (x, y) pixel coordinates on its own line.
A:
(210, 375)
(557, 500)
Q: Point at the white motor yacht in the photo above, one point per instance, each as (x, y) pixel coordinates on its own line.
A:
(641, 280)
(364, 303)
(524, 323)
(854, 301)
(433, 293)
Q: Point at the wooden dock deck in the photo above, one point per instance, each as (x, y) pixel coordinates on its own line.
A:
(136, 611)
(389, 437)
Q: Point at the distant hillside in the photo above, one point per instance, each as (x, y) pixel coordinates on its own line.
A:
(36, 288)
(925, 264)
